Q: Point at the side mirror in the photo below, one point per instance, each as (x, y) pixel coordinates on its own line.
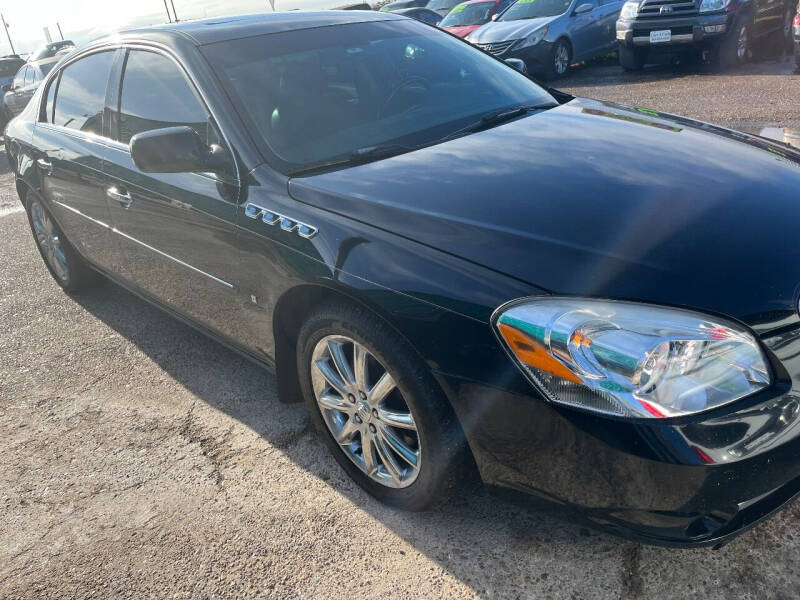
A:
(583, 8)
(176, 150)
(518, 64)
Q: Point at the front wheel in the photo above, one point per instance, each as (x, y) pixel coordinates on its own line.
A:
(378, 410)
(560, 60)
(632, 59)
(66, 266)
(734, 49)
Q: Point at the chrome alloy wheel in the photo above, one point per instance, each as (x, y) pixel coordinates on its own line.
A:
(741, 43)
(561, 61)
(365, 411)
(49, 241)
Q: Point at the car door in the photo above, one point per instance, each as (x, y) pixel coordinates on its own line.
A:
(32, 79)
(12, 99)
(584, 30)
(176, 231)
(608, 13)
(68, 141)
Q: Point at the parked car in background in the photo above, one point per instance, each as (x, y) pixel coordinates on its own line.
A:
(442, 6)
(9, 66)
(549, 35)
(796, 34)
(24, 85)
(50, 49)
(468, 16)
(393, 6)
(420, 14)
(724, 30)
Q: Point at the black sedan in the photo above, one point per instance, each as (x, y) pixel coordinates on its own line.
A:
(454, 268)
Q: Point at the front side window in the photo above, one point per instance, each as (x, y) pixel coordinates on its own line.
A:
(315, 96)
(468, 14)
(156, 94)
(534, 9)
(81, 94)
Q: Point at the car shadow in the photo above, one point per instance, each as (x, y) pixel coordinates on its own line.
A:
(461, 536)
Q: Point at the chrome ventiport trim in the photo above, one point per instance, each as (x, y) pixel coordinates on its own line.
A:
(270, 217)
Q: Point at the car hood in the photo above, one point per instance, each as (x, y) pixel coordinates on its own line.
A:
(501, 31)
(597, 199)
(461, 30)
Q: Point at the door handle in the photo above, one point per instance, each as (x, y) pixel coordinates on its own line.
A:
(123, 198)
(45, 165)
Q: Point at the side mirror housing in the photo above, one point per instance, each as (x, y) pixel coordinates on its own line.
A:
(176, 150)
(583, 8)
(518, 64)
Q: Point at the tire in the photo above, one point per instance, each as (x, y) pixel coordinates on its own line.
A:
(442, 457)
(731, 52)
(559, 60)
(66, 266)
(632, 59)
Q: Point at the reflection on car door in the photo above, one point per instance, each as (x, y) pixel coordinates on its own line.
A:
(176, 232)
(69, 154)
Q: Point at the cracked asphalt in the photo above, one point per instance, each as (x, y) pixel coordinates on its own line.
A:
(140, 459)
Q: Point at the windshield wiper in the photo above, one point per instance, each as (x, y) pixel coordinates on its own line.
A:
(496, 118)
(356, 157)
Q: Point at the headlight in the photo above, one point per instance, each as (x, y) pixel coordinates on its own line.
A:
(534, 38)
(713, 5)
(629, 10)
(630, 359)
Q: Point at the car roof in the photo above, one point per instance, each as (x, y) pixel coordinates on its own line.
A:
(209, 31)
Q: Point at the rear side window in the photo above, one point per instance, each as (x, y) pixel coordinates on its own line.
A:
(30, 76)
(155, 94)
(81, 93)
(19, 78)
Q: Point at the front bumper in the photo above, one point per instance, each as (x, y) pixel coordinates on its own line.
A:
(680, 482)
(536, 57)
(698, 30)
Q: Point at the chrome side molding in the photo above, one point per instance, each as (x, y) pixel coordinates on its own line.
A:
(269, 217)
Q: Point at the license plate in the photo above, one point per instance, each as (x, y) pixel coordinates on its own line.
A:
(660, 36)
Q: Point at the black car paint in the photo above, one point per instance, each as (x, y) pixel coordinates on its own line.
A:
(534, 206)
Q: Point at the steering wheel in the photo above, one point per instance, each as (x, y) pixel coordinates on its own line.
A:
(411, 81)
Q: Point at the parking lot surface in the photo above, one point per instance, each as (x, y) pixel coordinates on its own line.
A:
(138, 458)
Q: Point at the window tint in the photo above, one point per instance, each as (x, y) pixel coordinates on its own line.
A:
(82, 93)
(156, 94)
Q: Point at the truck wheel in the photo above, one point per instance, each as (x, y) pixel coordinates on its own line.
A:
(632, 59)
(735, 47)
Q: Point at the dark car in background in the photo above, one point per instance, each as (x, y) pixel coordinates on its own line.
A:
(18, 93)
(424, 15)
(50, 49)
(550, 35)
(466, 17)
(725, 31)
(442, 6)
(9, 66)
(444, 260)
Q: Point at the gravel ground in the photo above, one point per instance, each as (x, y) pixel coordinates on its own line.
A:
(138, 458)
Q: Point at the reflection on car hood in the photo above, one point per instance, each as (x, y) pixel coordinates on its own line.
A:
(501, 31)
(598, 199)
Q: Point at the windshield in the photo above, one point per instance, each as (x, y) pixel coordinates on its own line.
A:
(441, 4)
(468, 14)
(532, 9)
(316, 94)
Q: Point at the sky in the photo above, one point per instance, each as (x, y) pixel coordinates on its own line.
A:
(83, 20)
